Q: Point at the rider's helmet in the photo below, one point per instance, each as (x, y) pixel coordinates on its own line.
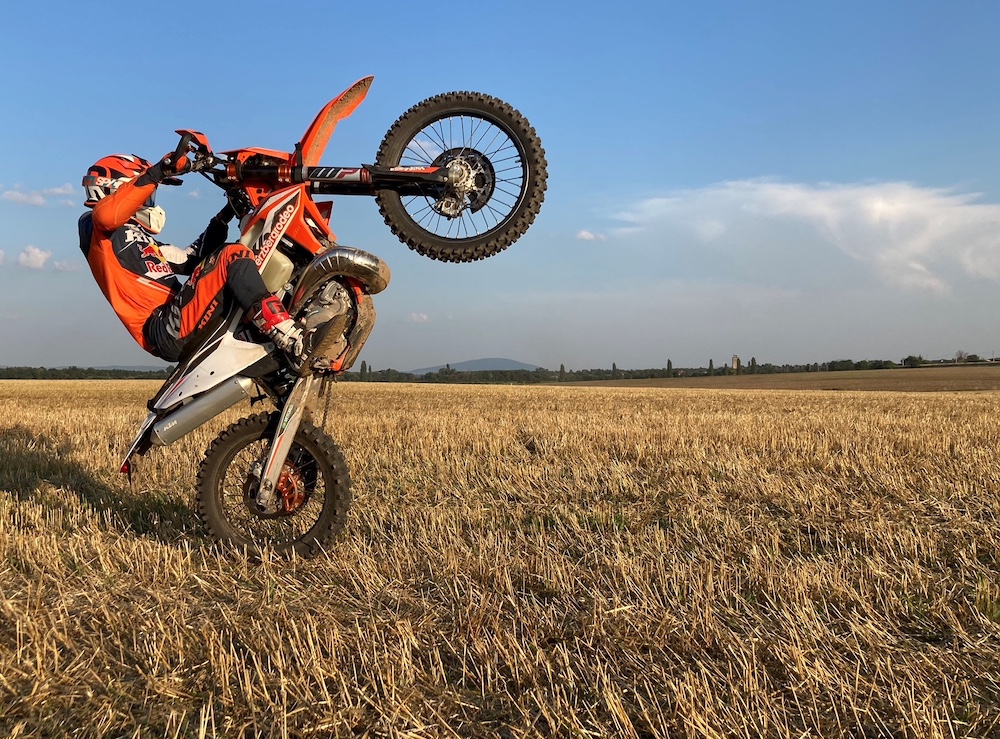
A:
(109, 173)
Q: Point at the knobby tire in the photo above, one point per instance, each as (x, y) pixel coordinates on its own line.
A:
(310, 442)
(489, 110)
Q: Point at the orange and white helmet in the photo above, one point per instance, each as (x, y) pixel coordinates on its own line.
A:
(109, 173)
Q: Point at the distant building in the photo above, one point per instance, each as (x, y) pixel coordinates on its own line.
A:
(736, 363)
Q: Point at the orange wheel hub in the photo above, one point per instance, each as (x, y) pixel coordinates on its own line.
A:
(291, 488)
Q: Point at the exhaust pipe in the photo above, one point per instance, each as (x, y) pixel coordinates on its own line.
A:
(339, 260)
(204, 408)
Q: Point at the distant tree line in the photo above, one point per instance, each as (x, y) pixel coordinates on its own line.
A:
(449, 374)
(80, 373)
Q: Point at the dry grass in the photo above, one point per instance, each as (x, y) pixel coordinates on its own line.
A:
(519, 562)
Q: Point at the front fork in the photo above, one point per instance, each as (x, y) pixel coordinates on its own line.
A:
(300, 401)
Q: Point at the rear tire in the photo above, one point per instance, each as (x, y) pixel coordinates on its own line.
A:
(507, 181)
(315, 474)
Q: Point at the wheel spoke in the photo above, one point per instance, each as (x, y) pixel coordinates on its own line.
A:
(496, 176)
(278, 531)
(491, 152)
(428, 157)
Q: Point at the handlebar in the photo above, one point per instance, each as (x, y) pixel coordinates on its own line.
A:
(342, 180)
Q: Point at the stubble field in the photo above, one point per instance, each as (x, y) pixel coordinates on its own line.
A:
(519, 561)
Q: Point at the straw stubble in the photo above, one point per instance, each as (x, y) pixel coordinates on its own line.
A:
(521, 561)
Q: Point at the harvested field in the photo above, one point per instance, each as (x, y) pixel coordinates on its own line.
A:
(519, 561)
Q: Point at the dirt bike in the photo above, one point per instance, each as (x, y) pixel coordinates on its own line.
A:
(458, 177)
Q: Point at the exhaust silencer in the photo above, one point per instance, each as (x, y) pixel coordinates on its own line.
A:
(204, 408)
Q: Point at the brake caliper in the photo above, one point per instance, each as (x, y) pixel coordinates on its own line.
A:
(291, 488)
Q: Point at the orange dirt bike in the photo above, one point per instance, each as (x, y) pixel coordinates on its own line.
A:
(458, 177)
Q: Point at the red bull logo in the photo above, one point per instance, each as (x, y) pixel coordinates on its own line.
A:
(150, 251)
(158, 269)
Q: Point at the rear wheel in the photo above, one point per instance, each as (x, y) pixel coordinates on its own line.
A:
(498, 176)
(314, 489)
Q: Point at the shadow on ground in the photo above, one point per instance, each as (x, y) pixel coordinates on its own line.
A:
(36, 468)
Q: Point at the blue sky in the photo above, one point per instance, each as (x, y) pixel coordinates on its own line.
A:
(796, 182)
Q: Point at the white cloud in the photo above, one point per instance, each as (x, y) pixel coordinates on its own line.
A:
(194, 194)
(67, 266)
(908, 236)
(24, 198)
(418, 318)
(1, 256)
(33, 258)
(585, 235)
(38, 197)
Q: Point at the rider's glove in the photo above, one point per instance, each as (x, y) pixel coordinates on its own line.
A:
(164, 171)
(226, 214)
(217, 233)
(214, 238)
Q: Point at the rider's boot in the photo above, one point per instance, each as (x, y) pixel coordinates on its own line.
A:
(270, 316)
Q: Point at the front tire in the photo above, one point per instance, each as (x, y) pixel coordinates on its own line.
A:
(497, 158)
(315, 486)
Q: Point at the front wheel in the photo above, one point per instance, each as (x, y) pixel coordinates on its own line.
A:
(497, 172)
(314, 489)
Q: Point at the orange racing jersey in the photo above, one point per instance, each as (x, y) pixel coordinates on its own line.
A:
(136, 273)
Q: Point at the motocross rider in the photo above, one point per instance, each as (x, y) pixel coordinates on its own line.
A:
(138, 274)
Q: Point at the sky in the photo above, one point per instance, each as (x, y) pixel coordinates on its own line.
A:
(793, 182)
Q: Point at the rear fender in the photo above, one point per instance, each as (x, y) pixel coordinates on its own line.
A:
(219, 359)
(140, 444)
(219, 356)
(225, 358)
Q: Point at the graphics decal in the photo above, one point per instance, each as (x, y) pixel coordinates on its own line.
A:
(274, 226)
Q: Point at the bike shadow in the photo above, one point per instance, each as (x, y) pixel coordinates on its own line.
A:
(38, 469)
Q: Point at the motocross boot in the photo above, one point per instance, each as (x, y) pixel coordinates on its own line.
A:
(270, 317)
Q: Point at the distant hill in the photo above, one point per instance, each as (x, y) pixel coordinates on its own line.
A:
(480, 365)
